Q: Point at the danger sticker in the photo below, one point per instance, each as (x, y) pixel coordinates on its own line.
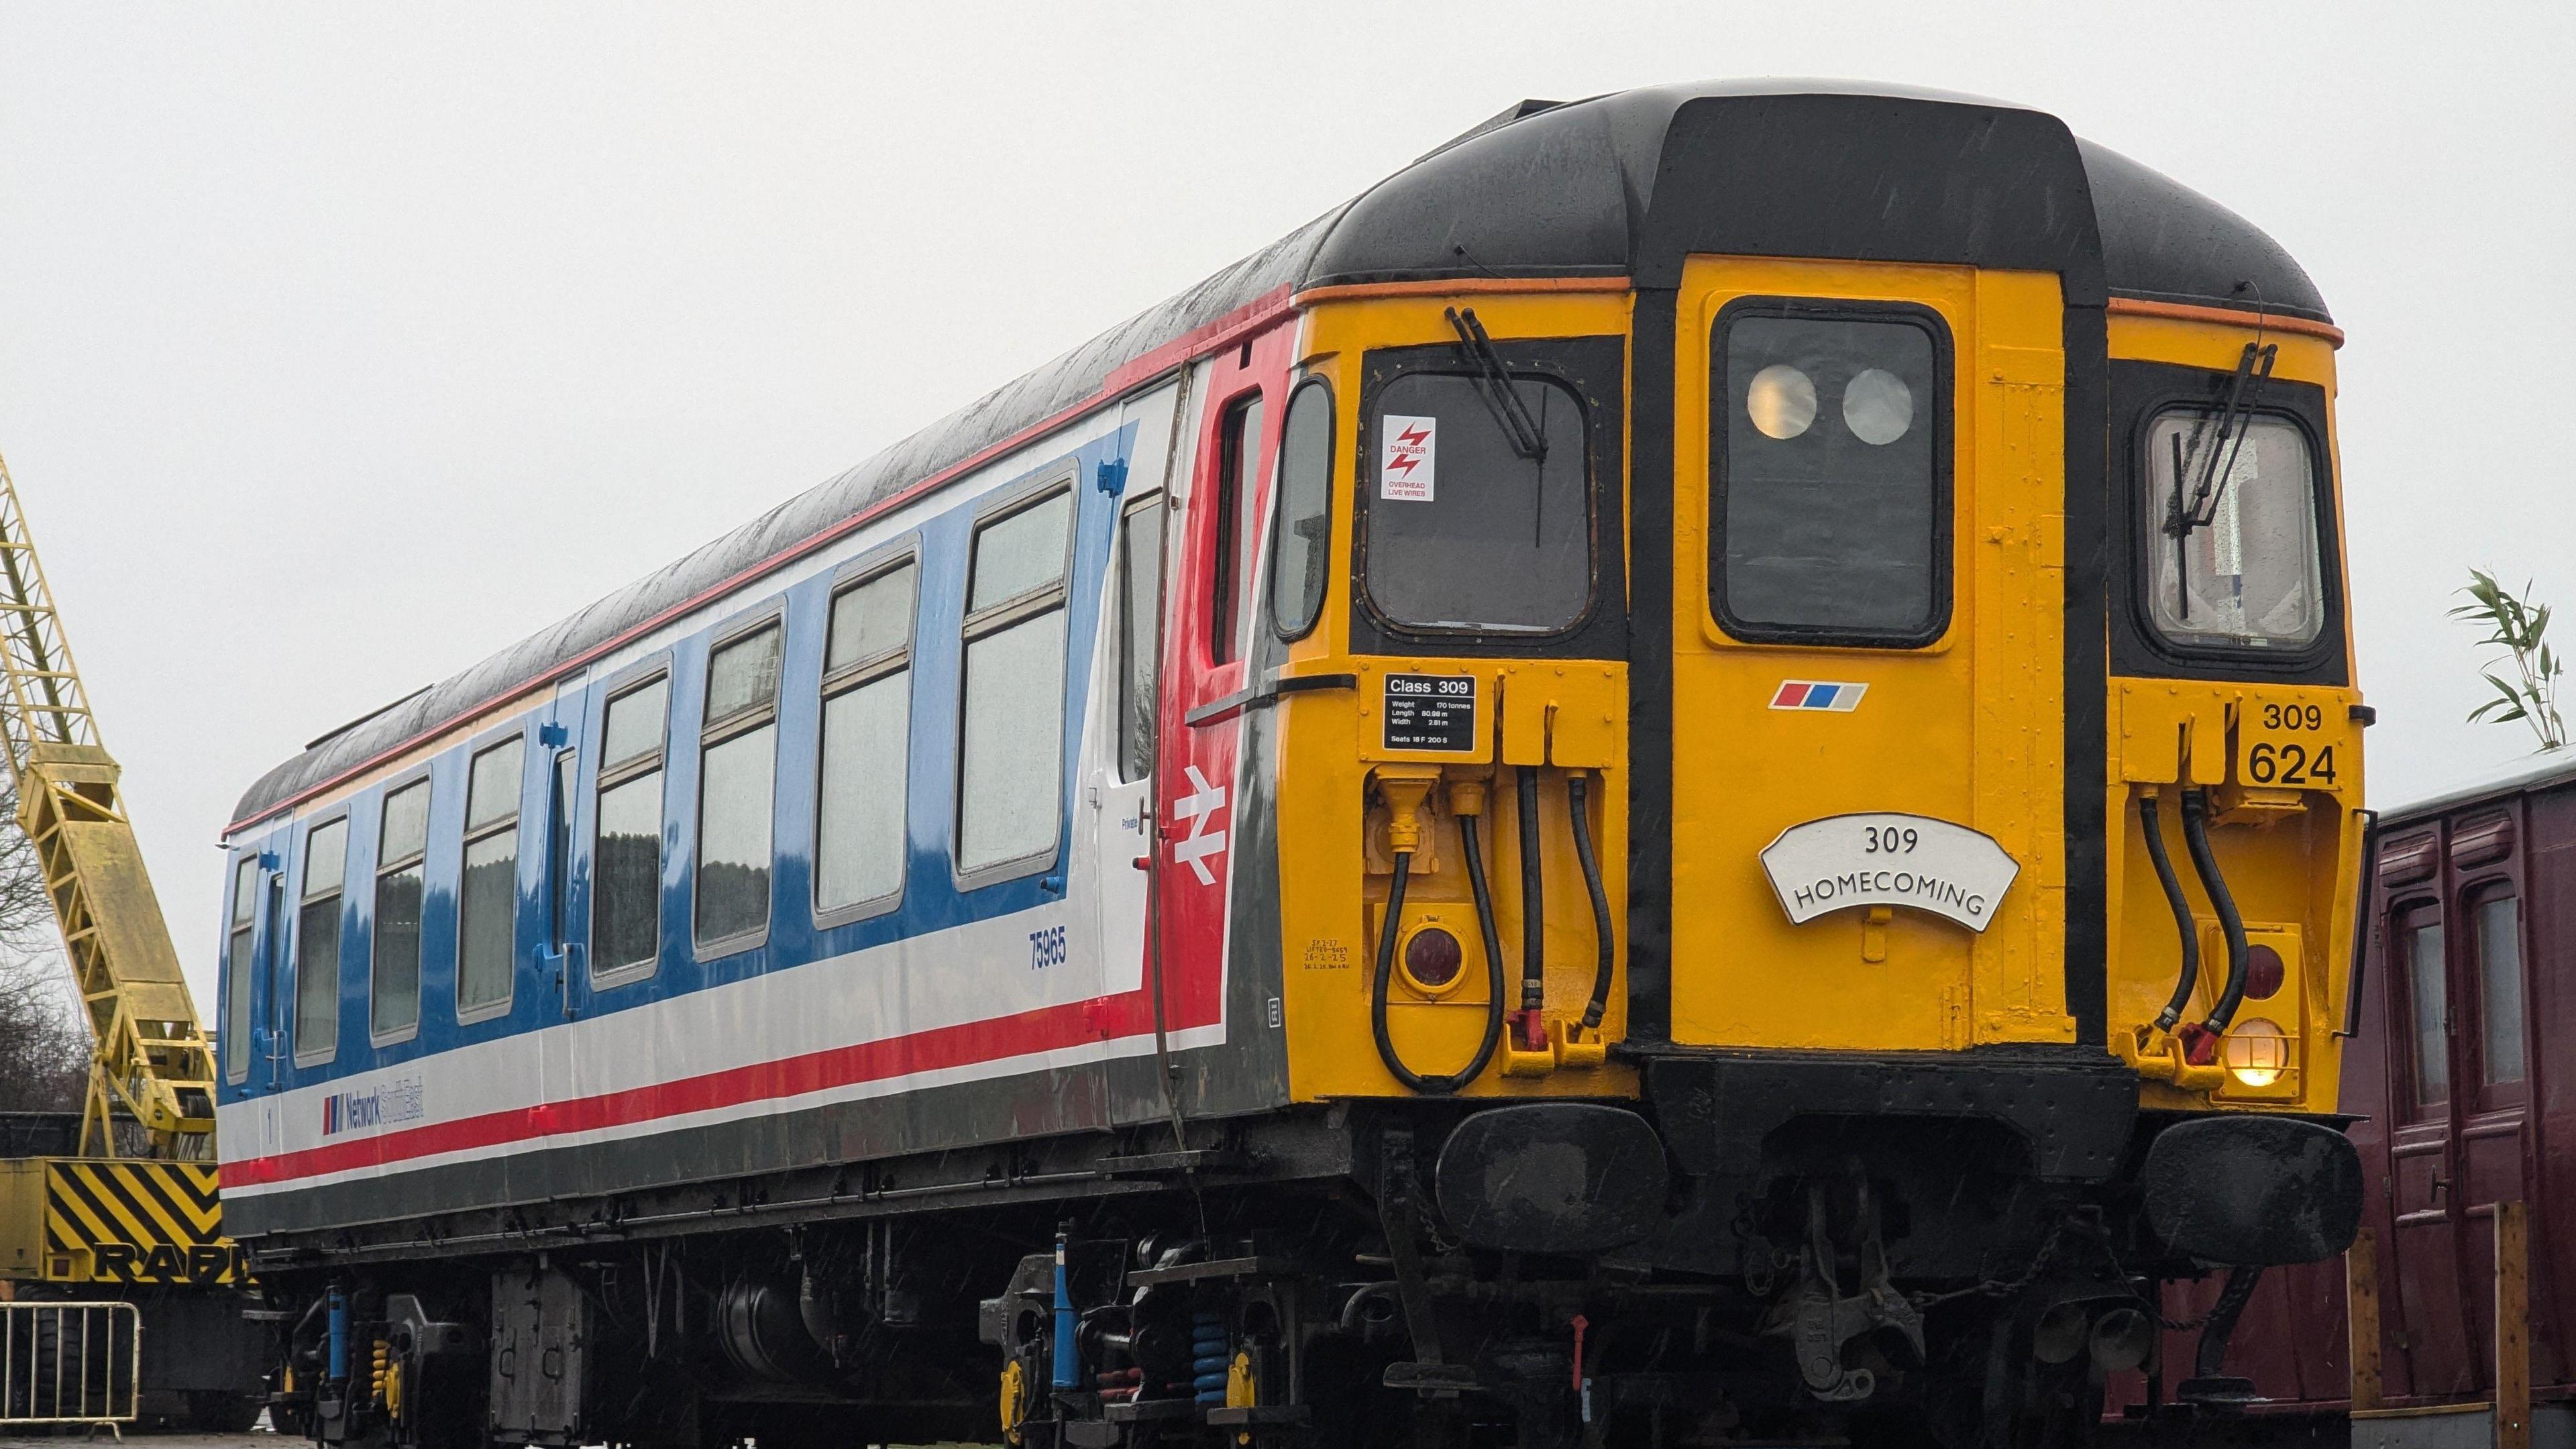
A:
(1407, 458)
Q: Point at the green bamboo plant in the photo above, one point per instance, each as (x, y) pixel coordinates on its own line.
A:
(2518, 626)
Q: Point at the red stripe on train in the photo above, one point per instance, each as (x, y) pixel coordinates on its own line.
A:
(1047, 1028)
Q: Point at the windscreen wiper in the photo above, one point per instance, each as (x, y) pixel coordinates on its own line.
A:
(2235, 419)
(1494, 385)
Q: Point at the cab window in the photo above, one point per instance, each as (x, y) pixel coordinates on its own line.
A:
(2231, 527)
(1467, 532)
(1830, 474)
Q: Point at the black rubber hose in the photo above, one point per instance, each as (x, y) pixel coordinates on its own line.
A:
(2183, 923)
(1533, 897)
(1438, 1086)
(1577, 805)
(2195, 834)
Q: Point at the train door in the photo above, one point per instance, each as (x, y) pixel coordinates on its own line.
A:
(1119, 761)
(2491, 1058)
(1868, 573)
(2425, 1208)
(1211, 612)
(557, 970)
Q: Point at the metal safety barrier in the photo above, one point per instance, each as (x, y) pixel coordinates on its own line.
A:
(70, 1363)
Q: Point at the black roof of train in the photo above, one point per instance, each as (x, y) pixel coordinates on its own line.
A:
(1620, 185)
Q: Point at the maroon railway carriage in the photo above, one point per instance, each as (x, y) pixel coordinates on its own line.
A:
(2462, 1084)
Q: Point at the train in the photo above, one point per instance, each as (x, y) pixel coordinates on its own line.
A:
(1690, 775)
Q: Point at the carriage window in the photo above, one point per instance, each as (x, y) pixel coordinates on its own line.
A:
(2499, 931)
(1466, 532)
(1010, 760)
(1140, 597)
(237, 959)
(1238, 512)
(626, 903)
(737, 785)
(317, 943)
(1301, 549)
(867, 729)
(2428, 997)
(2232, 533)
(393, 993)
(1828, 450)
(488, 913)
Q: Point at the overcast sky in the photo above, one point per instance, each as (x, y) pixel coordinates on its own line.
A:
(343, 345)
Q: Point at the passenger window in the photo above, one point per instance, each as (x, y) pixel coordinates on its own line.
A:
(626, 903)
(1301, 549)
(317, 943)
(1011, 759)
(2498, 924)
(393, 992)
(867, 744)
(2231, 526)
(237, 963)
(1830, 485)
(737, 784)
(1140, 601)
(2428, 1000)
(1238, 502)
(1466, 532)
(488, 909)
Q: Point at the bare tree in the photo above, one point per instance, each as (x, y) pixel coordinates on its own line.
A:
(44, 1043)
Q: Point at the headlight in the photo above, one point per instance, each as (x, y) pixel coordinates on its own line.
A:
(1432, 959)
(2257, 1052)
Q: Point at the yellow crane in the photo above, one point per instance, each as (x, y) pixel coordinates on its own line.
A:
(134, 1199)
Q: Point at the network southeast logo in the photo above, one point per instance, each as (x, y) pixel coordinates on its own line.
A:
(377, 1106)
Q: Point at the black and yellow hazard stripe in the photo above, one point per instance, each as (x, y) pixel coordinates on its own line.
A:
(137, 1222)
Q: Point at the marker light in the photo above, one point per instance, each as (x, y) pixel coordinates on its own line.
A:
(1781, 401)
(2263, 973)
(2257, 1052)
(1432, 958)
(1877, 406)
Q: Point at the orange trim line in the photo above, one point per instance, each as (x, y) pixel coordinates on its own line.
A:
(1216, 336)
(2227, 317)
(1450, 287)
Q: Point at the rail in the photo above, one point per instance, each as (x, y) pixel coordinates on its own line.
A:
(70, 1363)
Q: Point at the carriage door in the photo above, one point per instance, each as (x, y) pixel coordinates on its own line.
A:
(1867, 612)
(1212, 613)
(2491, 1065)
(2423, 1158)
(1119, 760)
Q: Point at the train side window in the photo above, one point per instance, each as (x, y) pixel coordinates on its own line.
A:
(2231, 526)
(317, 943)
(402, 844)
(626, 891)
(2497, 925)
(1140, 598)
(1011, 756)
(1301, 547)
(1468, 533)
(1830, 462)
(238, 944)
(2428, 997)
(567, 776)
(488, 900)
(859, 846)
(1238, 501)
(737, 790)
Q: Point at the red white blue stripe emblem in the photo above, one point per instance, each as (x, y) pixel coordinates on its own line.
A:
(1818, 694)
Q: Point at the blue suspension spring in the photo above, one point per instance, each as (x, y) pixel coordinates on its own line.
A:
(1211, 1355)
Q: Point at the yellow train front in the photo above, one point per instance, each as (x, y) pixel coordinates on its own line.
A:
(1822, 678)
(1689, 777)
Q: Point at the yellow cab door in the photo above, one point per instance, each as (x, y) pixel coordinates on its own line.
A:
(1868, 723)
